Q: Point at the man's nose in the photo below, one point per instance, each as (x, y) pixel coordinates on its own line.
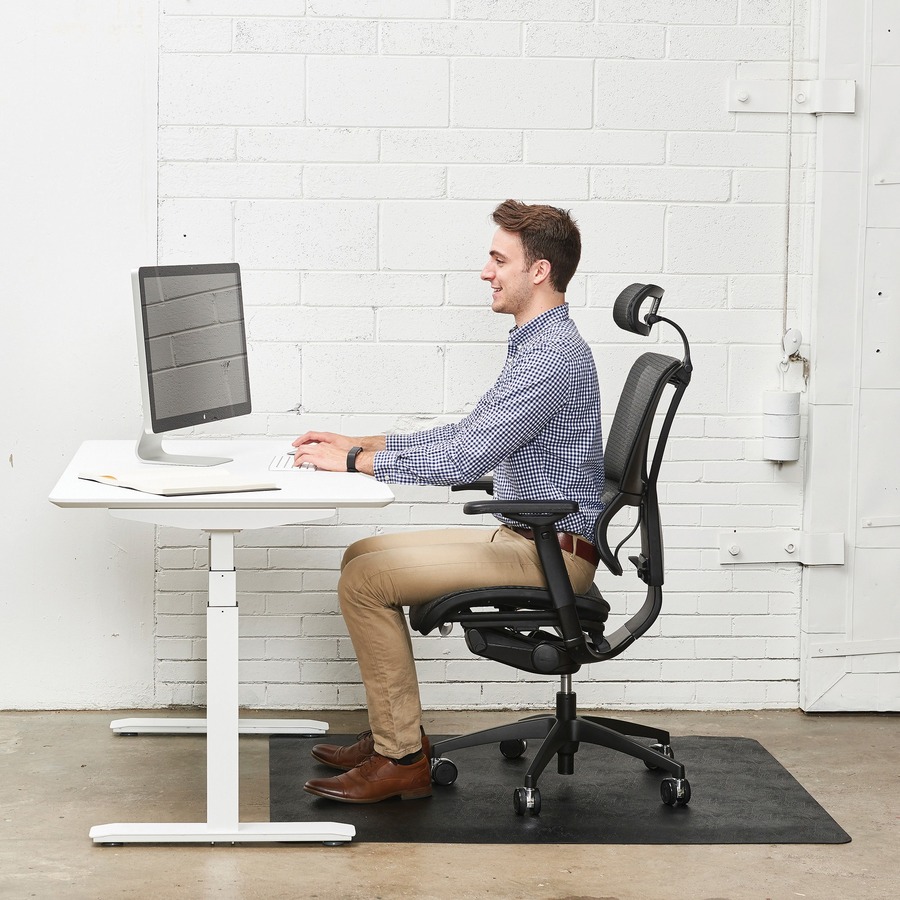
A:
(487, 273)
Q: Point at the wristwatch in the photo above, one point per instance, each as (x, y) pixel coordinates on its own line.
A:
(351, 458)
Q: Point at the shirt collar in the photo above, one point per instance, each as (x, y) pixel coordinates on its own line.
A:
(519, 335)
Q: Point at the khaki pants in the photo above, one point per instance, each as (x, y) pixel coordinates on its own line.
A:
(381, 575)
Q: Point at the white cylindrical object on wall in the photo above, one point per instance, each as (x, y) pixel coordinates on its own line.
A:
(781, 449)
(782, 403)
(781, 425)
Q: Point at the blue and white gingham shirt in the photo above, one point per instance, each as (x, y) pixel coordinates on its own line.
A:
(537, 428)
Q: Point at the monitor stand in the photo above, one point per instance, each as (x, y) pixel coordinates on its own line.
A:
(149, 449)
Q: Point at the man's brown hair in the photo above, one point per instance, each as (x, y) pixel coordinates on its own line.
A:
(546, 233)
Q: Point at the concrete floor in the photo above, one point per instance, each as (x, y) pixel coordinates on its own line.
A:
(63, 772)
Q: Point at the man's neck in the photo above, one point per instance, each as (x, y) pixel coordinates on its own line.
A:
(538, 308)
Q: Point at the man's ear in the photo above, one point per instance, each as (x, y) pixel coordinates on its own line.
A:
(541, 271)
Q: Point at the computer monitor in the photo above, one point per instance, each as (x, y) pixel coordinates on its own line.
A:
(192, 352)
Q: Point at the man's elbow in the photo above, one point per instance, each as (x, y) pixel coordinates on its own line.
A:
(468, 471)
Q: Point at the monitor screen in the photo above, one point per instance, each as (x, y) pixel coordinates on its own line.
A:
(195, 345)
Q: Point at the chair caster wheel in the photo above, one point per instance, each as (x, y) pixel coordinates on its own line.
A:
(675, 791)
(665, 749)
(514, 748)
(443, 771)
(527, 800)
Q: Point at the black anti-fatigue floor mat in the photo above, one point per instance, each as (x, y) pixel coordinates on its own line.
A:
(740, 795)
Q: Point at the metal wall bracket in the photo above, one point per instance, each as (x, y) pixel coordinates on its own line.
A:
(803, 547)
(854, 648)
(816, 97)
(880, 522)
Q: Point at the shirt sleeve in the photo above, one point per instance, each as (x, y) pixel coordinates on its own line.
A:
(509, 416)
(420, 438)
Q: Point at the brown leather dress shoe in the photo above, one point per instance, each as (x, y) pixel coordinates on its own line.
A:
(376, 778)
(345, 758)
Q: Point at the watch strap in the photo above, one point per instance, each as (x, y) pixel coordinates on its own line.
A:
(351, 458)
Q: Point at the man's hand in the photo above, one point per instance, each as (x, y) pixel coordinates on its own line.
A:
(328, 451)
(339, 441)
(324, 456)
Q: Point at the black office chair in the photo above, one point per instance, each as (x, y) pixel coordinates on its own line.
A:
(555, 632)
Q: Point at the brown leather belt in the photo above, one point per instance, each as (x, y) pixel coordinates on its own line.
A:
(571, 543)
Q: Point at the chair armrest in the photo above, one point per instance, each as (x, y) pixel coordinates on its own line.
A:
(529, 512)
(485, 483)
(541, 515)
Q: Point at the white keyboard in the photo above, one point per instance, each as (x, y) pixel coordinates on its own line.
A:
(286, 461)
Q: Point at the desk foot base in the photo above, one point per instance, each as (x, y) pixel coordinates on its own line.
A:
(163, 725)
(201, 833)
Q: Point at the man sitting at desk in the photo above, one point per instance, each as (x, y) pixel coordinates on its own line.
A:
(538, 429)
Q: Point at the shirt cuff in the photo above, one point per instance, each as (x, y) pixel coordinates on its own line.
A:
(382, 464)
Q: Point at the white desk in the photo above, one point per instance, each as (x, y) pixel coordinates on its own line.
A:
(303, 497)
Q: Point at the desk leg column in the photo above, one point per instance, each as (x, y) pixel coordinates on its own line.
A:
(222, 656)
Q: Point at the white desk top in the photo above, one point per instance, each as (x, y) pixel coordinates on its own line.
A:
(300, 489)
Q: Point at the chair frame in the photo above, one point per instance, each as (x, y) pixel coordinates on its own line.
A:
(499, 632)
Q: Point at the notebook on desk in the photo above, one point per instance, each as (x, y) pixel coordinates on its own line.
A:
(170, 481)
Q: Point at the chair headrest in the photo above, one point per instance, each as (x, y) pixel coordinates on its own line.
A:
(627, 308)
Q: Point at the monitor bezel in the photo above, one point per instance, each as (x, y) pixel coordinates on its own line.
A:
(199, 417)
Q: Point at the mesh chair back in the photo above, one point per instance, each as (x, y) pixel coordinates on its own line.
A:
(625, 453)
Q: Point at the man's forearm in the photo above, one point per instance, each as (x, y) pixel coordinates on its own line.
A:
(365, 462)
(373, 443)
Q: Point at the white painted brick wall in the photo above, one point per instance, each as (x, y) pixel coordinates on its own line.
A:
(348, 154)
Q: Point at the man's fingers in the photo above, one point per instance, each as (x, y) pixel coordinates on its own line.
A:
(311, 437)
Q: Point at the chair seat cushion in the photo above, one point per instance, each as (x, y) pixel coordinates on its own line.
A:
(508, 606)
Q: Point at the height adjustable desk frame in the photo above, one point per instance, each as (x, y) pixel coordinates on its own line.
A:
(222, 593)
(301, 500)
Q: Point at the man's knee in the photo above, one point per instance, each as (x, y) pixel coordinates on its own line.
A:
(360, 583)
(356, 549)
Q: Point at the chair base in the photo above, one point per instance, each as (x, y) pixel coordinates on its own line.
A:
(561, 735)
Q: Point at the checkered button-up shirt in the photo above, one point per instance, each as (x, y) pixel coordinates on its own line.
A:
(537, 428)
